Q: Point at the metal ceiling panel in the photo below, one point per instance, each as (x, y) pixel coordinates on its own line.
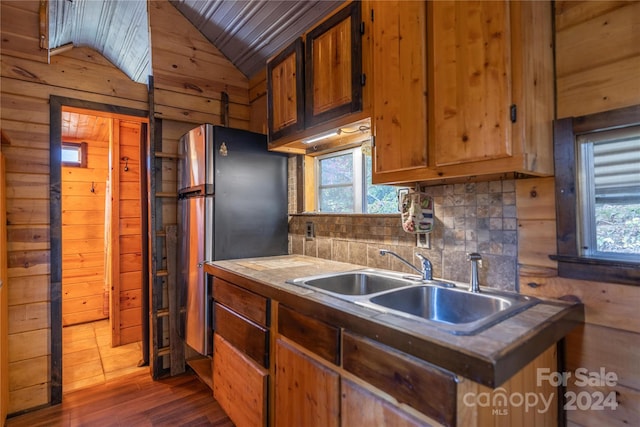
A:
(248, 32)
(119, 30)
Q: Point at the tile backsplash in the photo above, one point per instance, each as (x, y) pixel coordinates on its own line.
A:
(472, 217)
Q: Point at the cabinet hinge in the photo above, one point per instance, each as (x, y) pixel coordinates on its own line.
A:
(514, 113)
(363, 79)
(362, 27)
(373, 141)
(371, 15)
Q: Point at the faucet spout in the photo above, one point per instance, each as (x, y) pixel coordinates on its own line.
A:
(425, 272)
(475, 259)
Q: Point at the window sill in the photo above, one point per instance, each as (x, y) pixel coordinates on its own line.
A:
(342, 214)
(598, 270)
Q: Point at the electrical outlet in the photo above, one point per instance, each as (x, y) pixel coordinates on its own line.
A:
(310, 231)
(423, 240)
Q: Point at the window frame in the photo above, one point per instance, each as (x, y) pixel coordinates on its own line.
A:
(357, 182)
(82, 147)
(571, 263)
(312, 177)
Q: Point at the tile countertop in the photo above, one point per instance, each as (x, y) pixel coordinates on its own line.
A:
(489, 357)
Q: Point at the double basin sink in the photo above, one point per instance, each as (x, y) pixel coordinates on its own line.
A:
(439, 303)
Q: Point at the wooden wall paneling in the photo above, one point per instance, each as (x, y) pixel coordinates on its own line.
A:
(536, 212)
(4, 299)
(186, 66)
(130, 244)
(29, 289)
(540, 238)
(20, 32)
(606, 304)
(66, 70)
(615, 86)
(27, 238)
(114, 244)
(33, 160)
(83, 198)
(27, 83)
(626, 412)
(597, 48)
(586, 350)
(586, 36)
(569, 12)
(258, 102)
(24, 184)
(37, 89)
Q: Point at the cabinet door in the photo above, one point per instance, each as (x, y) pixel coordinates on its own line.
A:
(333, 66)
(285, 91)
(400, 82)
(306, 392)
(361, 407)
(239, 385)
(471, 93)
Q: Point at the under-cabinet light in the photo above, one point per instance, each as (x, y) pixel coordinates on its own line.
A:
(322, 136)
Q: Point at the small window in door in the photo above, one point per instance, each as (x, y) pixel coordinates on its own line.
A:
(74, 154)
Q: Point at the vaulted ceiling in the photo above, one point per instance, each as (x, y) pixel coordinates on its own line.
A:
(247, 32)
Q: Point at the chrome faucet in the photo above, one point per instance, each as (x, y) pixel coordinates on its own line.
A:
(475, 259)
(425, 273)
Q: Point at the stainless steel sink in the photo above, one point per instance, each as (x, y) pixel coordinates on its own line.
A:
(456, 310)
(354, 283)
(438, 303)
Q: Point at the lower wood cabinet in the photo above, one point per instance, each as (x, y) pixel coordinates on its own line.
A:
(239, 384)
(425, 387)
(362, 407)
(307, 393)
(288, 368)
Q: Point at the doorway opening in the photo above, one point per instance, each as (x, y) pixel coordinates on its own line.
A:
(99, 321)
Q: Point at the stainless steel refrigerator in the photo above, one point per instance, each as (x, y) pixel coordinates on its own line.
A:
(232, 204)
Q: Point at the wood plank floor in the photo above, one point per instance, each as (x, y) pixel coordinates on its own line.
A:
(133, 400)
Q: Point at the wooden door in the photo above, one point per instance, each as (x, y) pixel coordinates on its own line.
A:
(400, 81)
(285, 91)
(306, 392)
(126, 226)
(471, 93)
(333, 67)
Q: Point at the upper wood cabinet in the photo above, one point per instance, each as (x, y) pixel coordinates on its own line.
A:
(285, 91)
(490, 92)
(316, 84)
(333, 64)
(472, 81)
(399, 58)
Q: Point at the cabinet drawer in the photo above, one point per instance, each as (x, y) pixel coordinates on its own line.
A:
(420, 385)
(239, 385)
(246, 336)
(252, 306)
(314, 335)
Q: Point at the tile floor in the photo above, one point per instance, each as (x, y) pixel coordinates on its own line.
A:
(88, 358)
